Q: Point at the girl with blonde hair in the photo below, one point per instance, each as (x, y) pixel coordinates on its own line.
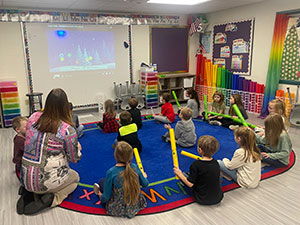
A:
(278, 106)
(245, 165)
(275, 144)
(120, 189)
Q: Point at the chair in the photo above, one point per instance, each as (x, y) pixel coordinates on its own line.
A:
(35, 98)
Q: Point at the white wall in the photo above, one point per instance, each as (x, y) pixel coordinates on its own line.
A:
(12, 60)
(264, 14)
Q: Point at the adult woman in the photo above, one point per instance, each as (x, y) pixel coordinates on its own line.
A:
(51, 142)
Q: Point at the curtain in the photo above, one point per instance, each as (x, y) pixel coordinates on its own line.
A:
(274, 68)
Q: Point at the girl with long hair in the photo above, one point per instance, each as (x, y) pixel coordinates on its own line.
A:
(278, 106)
(193, 102)
(275, 145)
(218, 106)
(234, 99)
(120, 190)
(245, 165)
(109, 123)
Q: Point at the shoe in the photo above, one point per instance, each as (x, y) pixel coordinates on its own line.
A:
(38, 205)
(96, 188)
(215, 122)
(164, 138)
(25, 198)
(233, 127)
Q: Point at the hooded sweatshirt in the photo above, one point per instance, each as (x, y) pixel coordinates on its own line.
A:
(185, 133)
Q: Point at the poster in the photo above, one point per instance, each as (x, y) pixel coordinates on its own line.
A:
(220, 38)
(240, 46)
(205, 40)
(225, 52)
(237, 62)
(219, 61)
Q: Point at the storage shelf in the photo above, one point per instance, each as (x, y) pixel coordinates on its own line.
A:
(175, 82)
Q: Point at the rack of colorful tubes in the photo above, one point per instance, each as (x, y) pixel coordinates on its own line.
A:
(211, 78)
(10, 105)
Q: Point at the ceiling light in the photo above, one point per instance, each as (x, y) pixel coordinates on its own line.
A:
(178, 2)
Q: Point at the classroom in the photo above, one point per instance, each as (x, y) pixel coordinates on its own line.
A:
(97, 51)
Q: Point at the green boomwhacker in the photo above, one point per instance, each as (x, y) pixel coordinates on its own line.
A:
(175, 97)
(205, 106)
(234, 119)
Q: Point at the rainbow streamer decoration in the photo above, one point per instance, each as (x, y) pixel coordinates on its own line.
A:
(10, 104)
(149, 83)
(274, 68)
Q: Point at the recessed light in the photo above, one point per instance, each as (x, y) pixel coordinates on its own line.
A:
(178, 2)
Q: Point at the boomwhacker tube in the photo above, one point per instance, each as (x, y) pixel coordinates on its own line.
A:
(229, 117)
(175, 97)
(239, 114)
(138, 160)
(205, 106)
(173, 148)
(193, 156)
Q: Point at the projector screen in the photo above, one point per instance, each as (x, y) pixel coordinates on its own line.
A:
(84, 60)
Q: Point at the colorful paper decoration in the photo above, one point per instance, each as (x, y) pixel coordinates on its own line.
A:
(10, 104)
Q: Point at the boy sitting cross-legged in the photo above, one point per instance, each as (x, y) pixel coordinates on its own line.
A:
(204, 175)
(128, 131)
(185, 135)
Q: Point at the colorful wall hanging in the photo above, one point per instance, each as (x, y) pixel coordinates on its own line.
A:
(12, 15)
(238, 36)
(10, 106)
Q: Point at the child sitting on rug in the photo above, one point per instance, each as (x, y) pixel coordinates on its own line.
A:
(275, 145)
(79, 127)
(229, 123)
(135, 113)
(19, 124)
(204, 174)
(185, 135)
(167, 114)
(128, 131)
(120, 190)
(245, 166)
(276, 106)
(218, 106)
(109, 123)
(193, 102)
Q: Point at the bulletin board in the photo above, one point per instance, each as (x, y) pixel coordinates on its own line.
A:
(169, 48)
(232, 46)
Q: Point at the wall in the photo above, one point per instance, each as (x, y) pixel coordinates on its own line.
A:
(264, 14)
(13, 61)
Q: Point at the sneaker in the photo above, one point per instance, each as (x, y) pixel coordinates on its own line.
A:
(164, 138)
(233, 127)
(215, 122)
(96, 188)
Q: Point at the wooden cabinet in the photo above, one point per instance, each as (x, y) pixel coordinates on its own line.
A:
(177, 83)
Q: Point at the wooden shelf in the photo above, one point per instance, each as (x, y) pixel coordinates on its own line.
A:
(175, 82)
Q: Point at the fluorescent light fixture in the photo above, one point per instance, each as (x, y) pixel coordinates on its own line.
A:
(177, 2)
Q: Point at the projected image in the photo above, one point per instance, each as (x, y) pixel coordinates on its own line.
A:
(80, 50)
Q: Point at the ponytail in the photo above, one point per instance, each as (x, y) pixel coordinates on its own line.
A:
(131, 185)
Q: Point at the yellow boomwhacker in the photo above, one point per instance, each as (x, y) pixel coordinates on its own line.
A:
(138, 160)
(173, 148)
(190, 155)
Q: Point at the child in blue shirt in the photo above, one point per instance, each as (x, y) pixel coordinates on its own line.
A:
(120, 190)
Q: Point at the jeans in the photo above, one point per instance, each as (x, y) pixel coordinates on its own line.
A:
(271, 162)
(162, 119)
(231, 173)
